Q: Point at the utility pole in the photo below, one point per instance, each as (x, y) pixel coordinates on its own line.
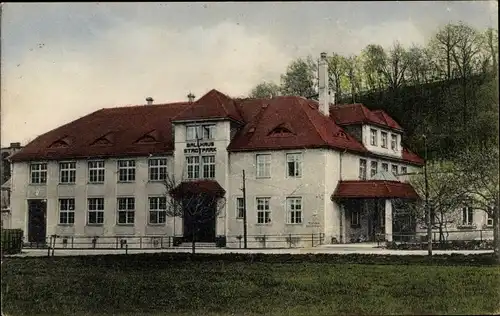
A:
(428, 217)
(244, 212)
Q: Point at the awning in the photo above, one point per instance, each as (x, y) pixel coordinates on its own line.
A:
(369, 189)
(194, 187)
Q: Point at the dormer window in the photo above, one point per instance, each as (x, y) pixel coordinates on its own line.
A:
(394, 142)
(373, 137)
(281, 130)
(201, 132)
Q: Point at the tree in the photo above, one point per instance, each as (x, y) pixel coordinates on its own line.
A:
(299, 78)
(336, 72)
(442, 45)
(481, 180)
(265, 90)
(354, 75)
(374, 60)
(446, 196)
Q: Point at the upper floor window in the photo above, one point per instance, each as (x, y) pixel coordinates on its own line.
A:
(384, 139)
(362, 169)
(373, 168)
(467, 215)
(385, 166)
(157, 169)
(96, 171)
(208, 167)
(240, 207)
(67, 172)
(394, 142)
(294, 210)
(38, 171)
(193, 167)
(263, 166)
(66, 211)
(126, 170)
(202, 132)
(404, 170)
(294, 165)
(395, 169)
(373, 137)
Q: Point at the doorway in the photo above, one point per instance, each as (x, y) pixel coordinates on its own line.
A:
(199, 221)
(37, 221)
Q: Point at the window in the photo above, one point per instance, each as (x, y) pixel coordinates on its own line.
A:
(263, 166)
(263, 212)
(240, 207)
(202, 132)
(157, 210)
(96, 210)
(404, 170)
(126, 213)
(157, 169)
(355, 218)
(294, 211)
(96, 171)
(385, 166)
(362, 169)
(394, 142)
(373, 137)
(38, 172)
(294, 165)
(395, 169)
(467, 215)
(208, 131)
(67, 172)
(193, 167)
(208, 167)
(384, 139)
(489, 219)
(126, 170)
(67, 211)
(373, 168)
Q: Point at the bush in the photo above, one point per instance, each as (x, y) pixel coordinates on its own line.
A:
(446, 245)
(220, 241)
(177, 241)
(12, 241)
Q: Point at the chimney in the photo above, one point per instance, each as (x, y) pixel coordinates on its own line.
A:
(323, 90)
(190, 97)
(149, 100)
(15, 145)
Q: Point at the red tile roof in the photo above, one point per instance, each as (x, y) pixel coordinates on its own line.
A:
(198, 186)
(278, 123)
(349, 114)
(365, 189)
(412, 157)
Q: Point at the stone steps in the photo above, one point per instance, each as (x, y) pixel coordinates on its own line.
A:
(197, 245)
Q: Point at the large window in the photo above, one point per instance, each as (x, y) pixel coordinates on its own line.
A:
(294, 165)
(193, 167)
(38, 171)
(67, 172)
(263, 166)
(126, 170)
(202, 132)
(67, 211)
(157, 169)
(373, 168)
(384, 139)
(373, 137)
(208, 167)
(126, 210)
(394, 142)
(263, 211)
(294, 210)
(240, 207)
(362, 169)
(96, 171)
(467, 216)
(95, 211)
(157, 210)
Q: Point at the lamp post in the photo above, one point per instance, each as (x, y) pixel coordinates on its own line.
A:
(428, 217)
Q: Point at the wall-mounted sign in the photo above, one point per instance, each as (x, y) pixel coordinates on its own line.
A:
(205, 147)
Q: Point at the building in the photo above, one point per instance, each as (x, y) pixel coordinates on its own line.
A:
(5, 172)
(311, 167)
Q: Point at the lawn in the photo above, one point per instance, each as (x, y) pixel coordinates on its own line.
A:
(141, 286)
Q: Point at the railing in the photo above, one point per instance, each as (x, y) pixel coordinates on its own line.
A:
(448, 235)
(276, 241)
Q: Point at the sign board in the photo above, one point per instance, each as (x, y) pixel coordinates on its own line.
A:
(205, 147)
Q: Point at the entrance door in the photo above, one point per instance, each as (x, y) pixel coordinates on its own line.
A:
(37, 222)
(200, 222)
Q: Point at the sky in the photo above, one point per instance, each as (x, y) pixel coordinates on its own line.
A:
(61, 61)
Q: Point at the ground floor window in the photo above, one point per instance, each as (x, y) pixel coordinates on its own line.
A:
(66, 211)
(467, 215)
(263, 211)
(126, 210)
(355, 218)
(240, 207)
(294, 210)
(157, 210)
(489, 219)
(95, 210)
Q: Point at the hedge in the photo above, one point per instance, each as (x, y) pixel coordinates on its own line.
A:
(12, 241)
(447, 245)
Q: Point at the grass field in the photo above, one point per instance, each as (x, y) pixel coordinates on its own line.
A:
(92, 286)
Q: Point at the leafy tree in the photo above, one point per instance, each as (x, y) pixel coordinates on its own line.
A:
(299, 78)
(265, 90)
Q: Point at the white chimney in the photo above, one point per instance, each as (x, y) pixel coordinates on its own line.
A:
(149, 100)
(323, 89)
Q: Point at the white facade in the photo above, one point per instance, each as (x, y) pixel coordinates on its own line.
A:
(319, 173)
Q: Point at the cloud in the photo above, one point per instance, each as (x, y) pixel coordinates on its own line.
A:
(60, 82)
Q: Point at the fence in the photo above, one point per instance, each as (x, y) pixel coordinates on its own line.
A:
(11, 241)
(448, 235)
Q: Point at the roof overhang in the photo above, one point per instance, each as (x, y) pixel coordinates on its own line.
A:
(198, 187)
(208, 119)
(372, 189)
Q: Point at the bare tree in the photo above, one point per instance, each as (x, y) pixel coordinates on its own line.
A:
(442, 45)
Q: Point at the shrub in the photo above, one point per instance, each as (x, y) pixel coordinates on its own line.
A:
(220, 241)
(12, 241)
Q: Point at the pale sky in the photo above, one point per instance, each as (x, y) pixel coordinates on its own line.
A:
(61, 61)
